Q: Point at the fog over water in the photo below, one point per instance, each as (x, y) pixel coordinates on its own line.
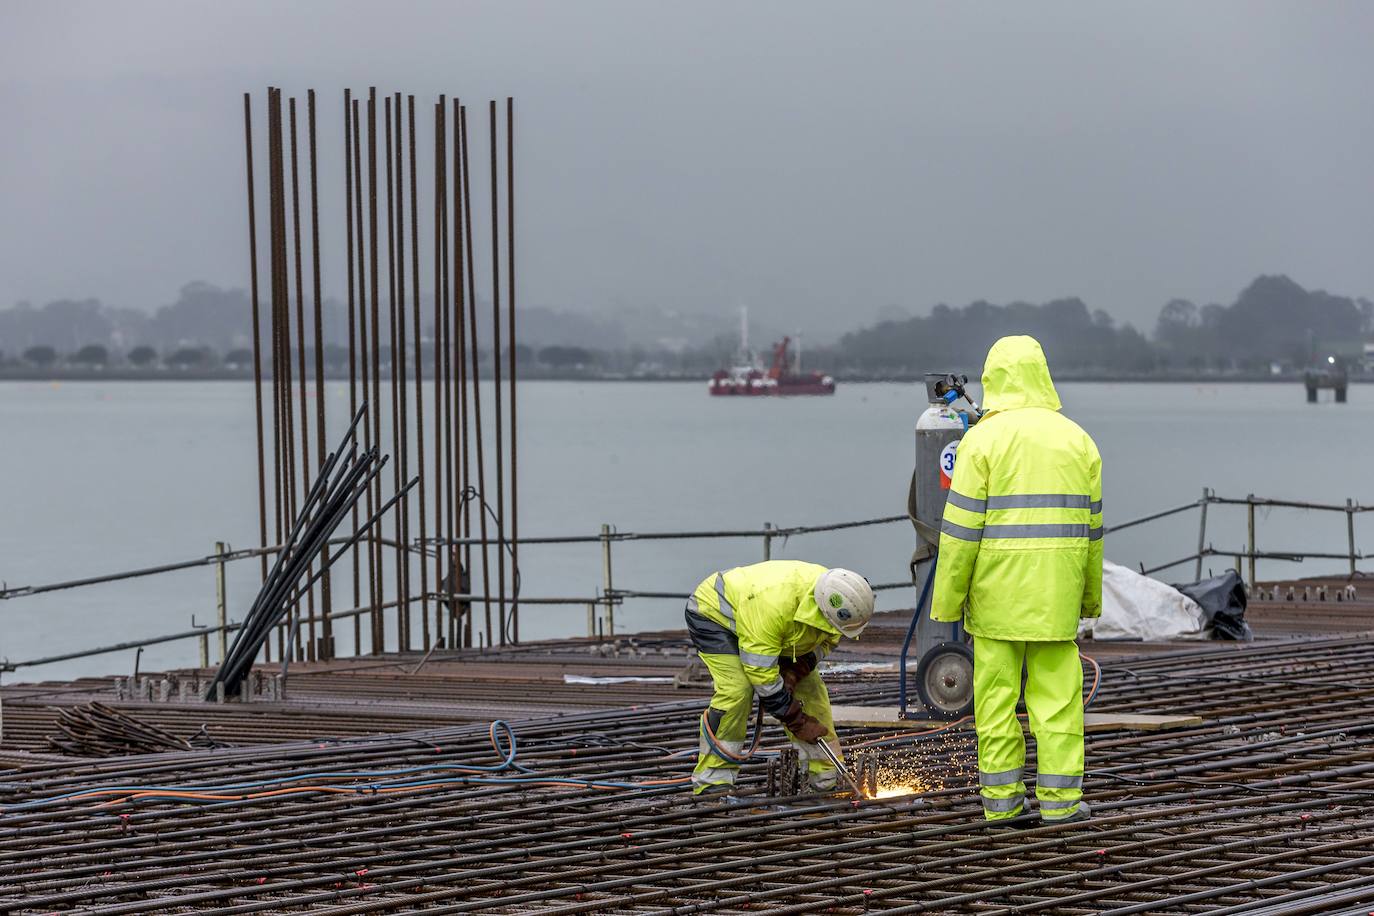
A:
(100, 477)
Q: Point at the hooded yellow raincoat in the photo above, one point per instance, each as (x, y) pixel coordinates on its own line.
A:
(1021, 544)
(1021, 561)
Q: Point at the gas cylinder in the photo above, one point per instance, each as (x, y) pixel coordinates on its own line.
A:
(938, 432)
(944, 672)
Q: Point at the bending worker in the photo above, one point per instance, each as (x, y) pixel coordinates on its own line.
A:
(761, 631)
(1021, 561)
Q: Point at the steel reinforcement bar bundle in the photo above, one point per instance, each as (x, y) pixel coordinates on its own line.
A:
(397, 348)
(343, 478)
(1264, 808)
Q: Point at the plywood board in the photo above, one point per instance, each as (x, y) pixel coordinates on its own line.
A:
(886, 717)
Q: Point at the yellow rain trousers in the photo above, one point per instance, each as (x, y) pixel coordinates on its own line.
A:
(744, 622)
(1020, 562)
(1054, 700)
(732, 703)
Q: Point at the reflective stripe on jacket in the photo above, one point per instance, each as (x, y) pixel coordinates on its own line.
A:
(1021, 543)
(771, 609)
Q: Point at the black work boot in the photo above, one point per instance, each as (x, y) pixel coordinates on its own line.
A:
(1084, 813)
(1021, 821)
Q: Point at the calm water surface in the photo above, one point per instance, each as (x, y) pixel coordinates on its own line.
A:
(99, 477)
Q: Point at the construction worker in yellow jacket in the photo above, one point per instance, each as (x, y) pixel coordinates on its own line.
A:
(1021, 561)
(761, 630)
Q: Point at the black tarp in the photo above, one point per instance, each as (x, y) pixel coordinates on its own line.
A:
(1222, 599)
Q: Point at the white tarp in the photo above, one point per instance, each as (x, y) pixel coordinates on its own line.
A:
(1138, 607)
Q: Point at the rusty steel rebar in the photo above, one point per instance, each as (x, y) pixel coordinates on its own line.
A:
(395, 283)
(352, 331)
(324, 649)
(514, 613)
(288, 437)
(419, 373)
(306, 469)
(496, 375)
(257, 325)
(365, 363)
(281, 379)
(459, 501)
(402, 425)
(442, 533)
(288, 374)
(462, 445)
(460, 559)
(274, 322)
(471, 295)
(379, 576)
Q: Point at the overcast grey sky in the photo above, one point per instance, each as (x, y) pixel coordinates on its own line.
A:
(815, 161)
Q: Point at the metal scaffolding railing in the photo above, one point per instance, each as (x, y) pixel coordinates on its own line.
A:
(601, 606)
(1251, 553)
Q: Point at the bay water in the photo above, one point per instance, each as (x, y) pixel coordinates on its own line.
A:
(98, 477)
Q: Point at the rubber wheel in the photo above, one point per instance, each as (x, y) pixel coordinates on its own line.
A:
(944, 680)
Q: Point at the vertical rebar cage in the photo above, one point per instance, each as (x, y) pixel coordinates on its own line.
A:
(463, 510)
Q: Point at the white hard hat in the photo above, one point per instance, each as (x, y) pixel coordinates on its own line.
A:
(846, 600)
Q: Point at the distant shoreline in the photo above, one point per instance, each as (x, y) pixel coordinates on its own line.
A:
(10, 374)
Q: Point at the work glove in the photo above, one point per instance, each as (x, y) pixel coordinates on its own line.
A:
(796, 669)
(807, 729)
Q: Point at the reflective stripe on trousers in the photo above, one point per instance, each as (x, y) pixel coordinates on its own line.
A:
(1004, 805)
(1004, 778)
(1060, 811)
(714, 776)
(1059, 796)
(1053, 805)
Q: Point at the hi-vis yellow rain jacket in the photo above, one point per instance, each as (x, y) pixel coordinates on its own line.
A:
(1021, 544)
(770, 608)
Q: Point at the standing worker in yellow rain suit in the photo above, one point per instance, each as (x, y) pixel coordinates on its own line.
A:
(1021, 561)
(761, 631)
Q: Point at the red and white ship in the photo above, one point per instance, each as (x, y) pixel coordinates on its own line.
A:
(783, 377)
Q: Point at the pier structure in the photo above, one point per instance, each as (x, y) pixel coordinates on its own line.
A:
(1333, 375)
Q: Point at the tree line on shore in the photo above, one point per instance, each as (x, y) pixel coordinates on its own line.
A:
(1273, 325)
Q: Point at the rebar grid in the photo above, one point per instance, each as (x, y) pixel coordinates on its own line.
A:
(1267, 804)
